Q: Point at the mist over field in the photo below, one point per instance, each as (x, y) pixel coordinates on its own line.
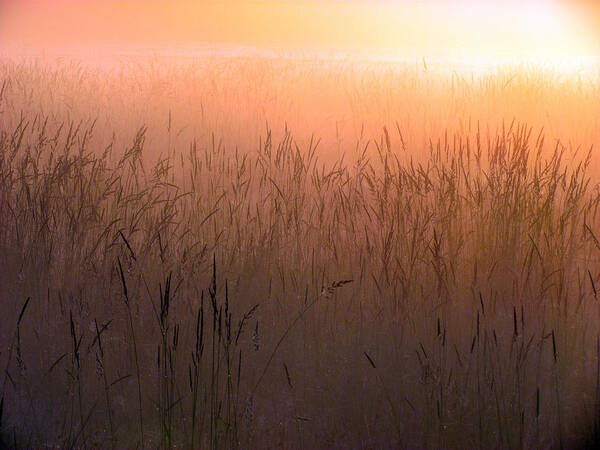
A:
(299, 224)
(401, 27)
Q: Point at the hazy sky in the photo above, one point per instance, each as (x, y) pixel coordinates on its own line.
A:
(458, 27)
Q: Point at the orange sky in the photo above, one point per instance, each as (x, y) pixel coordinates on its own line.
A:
(456, 28)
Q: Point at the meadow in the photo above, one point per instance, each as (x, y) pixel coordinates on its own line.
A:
(256, 253)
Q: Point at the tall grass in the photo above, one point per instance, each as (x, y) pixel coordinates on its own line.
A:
(470, 235)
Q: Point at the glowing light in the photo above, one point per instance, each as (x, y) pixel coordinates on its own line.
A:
(474, 28)
(468, 30)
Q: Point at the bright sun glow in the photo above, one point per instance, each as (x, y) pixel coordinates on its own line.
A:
(548, 31)
(542, 30)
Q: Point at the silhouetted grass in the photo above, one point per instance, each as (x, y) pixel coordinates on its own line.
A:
(429, 287)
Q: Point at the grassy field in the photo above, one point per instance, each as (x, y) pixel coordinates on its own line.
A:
(263, 253)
